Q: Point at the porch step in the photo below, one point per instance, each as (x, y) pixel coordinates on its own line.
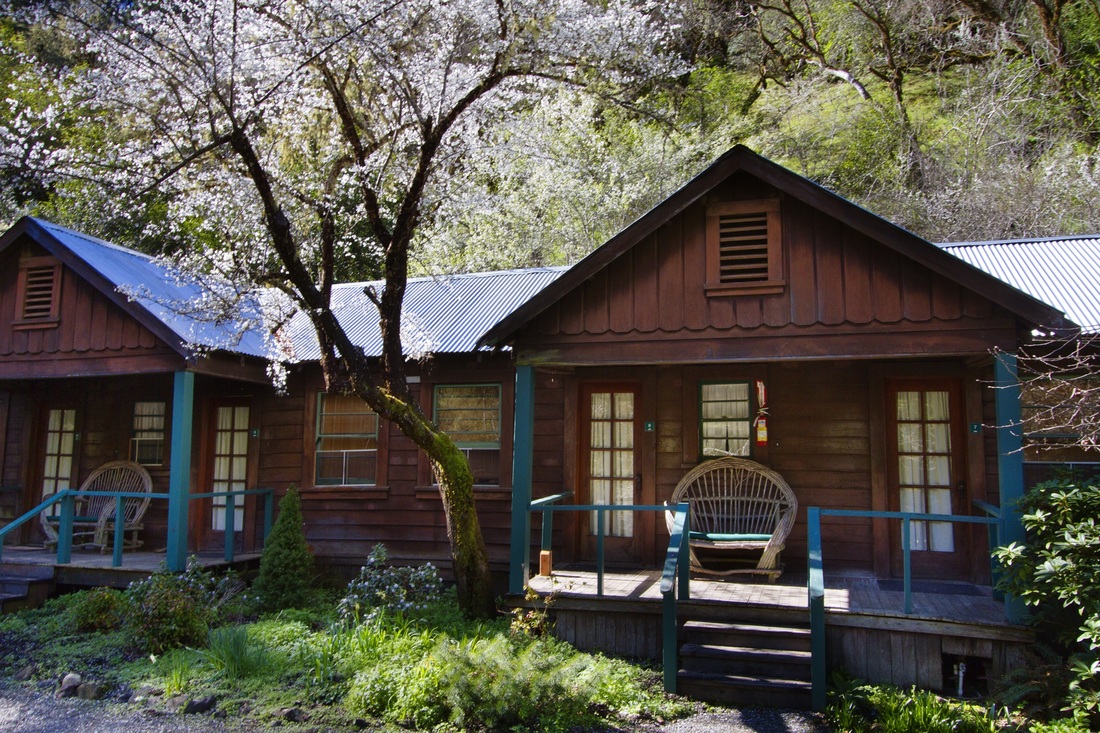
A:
(746, 635)
(21, 589)
(741, 690)
(750, 660)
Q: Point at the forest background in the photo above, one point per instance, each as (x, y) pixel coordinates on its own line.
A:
(961, 120)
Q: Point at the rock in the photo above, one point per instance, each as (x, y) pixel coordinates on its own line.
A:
(91, 690)
(70, 683)
(294, 715)
(26, 673)
(176, 703)
(200, 705)
(361, 724)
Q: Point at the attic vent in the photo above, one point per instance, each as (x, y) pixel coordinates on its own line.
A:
(39, 286)
(744, 248)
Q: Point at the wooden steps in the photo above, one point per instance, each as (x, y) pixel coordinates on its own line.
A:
(23, 587)
(744, 656)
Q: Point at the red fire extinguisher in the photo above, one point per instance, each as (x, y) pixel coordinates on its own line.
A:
(761, 421)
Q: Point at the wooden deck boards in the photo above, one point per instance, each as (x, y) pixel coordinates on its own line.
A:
(954, 602)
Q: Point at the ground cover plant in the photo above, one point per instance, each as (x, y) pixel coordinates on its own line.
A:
(393, 651)
(855, 707)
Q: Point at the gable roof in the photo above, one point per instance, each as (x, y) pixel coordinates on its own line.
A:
(109, 267)
(444, 314)
(741, 158)
(1062, 271)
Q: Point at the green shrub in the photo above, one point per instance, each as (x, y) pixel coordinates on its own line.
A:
(286, 567)
(99, 609)
(380, 586)
(169, 610)
(1057, 573)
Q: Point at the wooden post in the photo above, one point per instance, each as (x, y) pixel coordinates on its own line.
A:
(546, 563)
(1010, 459)
(523, 447)
(179, 480)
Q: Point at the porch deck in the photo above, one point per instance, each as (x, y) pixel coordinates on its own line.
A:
(91, 568)
(845, 595)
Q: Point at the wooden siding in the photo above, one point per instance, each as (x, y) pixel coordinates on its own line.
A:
(93, 335)
(845, 295)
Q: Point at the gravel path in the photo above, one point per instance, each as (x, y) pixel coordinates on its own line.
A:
(26, 710)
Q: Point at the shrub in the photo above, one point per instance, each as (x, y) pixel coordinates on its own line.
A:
(100, 609)
(286, 567)
(380, 586)
(169, 610)
(1058, 574)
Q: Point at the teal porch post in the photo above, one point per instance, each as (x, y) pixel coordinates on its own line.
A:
(179, 480)
(522, 472)
(1010, 459)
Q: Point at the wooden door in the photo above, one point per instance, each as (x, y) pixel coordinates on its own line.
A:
(227, 469)
(610, 468)
(926, 472)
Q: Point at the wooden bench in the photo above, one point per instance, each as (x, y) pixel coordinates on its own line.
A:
(737, 504)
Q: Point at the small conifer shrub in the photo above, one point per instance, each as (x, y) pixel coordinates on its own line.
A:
(286, 567)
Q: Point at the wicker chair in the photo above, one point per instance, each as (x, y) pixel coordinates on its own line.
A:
(737, 504)
(95, 515)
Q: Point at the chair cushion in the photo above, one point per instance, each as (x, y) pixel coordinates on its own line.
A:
(716, 537)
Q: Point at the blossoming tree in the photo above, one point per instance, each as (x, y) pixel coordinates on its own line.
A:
(297, 141)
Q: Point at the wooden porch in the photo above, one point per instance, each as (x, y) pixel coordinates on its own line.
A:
(90, 568)
(746, 642)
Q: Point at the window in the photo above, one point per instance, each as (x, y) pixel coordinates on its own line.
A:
(744, 248)
(39, 292)
(347, 442)
(470, 414)
(147, 435)
(725, 421)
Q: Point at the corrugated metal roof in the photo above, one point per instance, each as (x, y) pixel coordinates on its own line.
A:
(1061, 271)
(442, 314)
(127, 269)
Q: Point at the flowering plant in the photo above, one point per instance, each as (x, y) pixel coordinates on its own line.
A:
(382, 586)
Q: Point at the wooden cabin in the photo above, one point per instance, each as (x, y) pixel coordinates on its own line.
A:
(751, 313)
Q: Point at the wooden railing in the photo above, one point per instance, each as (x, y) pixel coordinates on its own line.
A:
(675, 579)
(816, 581)
(67, 499)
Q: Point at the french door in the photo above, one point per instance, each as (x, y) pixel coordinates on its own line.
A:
(610, 470)
(227, 466)
(926, 473)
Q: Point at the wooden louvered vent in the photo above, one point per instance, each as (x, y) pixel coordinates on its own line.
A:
(744, 248)
(39, 282)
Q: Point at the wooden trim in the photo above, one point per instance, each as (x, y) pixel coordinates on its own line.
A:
(880, 499)
(975, 470)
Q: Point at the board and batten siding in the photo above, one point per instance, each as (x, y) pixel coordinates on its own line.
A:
(845, 295)
(93, 335)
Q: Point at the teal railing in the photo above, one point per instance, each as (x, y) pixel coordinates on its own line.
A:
(675, 579)
(816, 582)
(67, 499)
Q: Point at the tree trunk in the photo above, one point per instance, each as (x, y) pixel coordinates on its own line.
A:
(471, 561)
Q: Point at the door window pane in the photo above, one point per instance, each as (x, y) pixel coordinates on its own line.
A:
(611, 459)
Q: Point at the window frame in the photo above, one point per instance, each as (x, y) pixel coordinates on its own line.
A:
(498, 446)
(380, 456)
(750, 438)
(775, 281)
(26, 265)
(163, 430)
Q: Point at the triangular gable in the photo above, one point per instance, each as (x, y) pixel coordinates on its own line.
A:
(107, 267)
(741, 158)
